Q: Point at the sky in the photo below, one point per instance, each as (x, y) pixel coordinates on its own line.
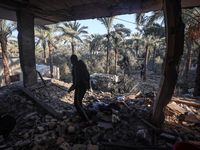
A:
(95, 26)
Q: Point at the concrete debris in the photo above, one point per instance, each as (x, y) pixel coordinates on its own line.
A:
(140, 135)
(104, 82)
(116, 120)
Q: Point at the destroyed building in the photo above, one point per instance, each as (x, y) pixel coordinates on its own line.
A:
(46, 120)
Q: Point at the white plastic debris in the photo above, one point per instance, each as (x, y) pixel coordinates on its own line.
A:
(97, 104)
(190, 113)
(186, 108)
(115, 118)
(141, 134)
(173, 102)
(120, 98)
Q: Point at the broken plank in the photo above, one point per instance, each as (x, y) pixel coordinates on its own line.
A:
(149, 124)
(186, 102)
(126, 105)
(124, 146)
(138, 94)
(40, 102)
(176, 108)
(95, 99)
(193, 118)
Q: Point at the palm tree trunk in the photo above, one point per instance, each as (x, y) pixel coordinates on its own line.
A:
(108, 51)
(45, 59)
(73, 44)
(197, 82)
(116, 54)
(51, 57)
(188, 63)
(183, 67)
(5, 60)
(145, 63)
(154, 56)
(137, 47)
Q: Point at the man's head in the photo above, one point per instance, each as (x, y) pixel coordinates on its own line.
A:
(74, 59)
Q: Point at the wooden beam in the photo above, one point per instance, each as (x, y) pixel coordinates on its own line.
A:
(186, 102)
(175, 39)
(131, 147)
(26, 42)
(40, 102)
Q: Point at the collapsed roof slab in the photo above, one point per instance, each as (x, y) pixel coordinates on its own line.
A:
(54, 11)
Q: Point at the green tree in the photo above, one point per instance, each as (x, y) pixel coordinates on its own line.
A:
(107, 22)
(6, 29)
(197, 81)
(158, 32)
(95, 42)
(155, 29)
(41, 37)
(73, 30)
(149, 41)
(135, 42)
(118, 37)
(13, 49)
(142, 19)
(192, 34)
(52, 40)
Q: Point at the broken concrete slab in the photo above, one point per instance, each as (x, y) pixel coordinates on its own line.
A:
(104, 125)
(79, 147)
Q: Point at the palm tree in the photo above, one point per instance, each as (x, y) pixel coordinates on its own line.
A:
(197, 81)
(155, 29)
(135, 42)
(52, 40)
(94, 41)
(107, 22)
(149, 41)
(118, 37)
(158, 32)
(191, 19)
(13, 49)
(144, 20)
(6, 29)
(42, 37)
(73, 30)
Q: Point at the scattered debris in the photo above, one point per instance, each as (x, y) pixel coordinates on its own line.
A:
(116, 120)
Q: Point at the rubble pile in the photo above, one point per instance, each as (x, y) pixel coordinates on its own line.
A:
(117, 121)
(105, 82)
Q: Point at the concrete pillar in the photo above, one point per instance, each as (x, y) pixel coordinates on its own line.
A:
(175, 39)
(25, 26)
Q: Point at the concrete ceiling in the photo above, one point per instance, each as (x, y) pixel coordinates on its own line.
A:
(54, 11)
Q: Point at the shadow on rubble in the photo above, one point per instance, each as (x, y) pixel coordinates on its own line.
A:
(44, 117)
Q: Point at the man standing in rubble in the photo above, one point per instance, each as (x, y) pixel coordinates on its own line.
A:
(81, 82)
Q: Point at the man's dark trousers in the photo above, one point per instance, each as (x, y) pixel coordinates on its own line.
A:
(78, 97)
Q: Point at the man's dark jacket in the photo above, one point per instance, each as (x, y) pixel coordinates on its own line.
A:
(81, 76)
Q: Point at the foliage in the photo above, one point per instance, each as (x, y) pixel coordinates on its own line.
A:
(95, 42)
(6, 29)
(156, 30)
(191, 18)
(72, 30)
(107, 22)
(147, 20)
(158, 65)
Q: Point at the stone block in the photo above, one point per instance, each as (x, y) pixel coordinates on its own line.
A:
(92, 147)
(52, 125)
(60, 140)
(79, 147)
